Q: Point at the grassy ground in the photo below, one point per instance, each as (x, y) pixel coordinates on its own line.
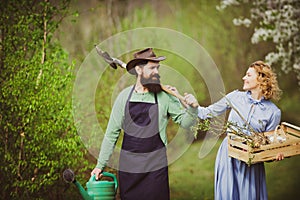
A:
(192, 178)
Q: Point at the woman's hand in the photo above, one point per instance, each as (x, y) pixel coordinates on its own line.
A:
(279, 156)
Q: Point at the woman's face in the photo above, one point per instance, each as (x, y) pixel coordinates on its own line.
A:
(250, 80)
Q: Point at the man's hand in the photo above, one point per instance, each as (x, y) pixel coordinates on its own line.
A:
(173, 89)
(177, 94)
(190, 100)
(97, 172)
(187, 100)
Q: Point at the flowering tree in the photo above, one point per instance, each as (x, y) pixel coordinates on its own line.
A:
(277, 21)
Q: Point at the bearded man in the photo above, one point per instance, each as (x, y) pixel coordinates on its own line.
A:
(142, 112)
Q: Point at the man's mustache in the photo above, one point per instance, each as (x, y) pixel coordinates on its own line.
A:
(151, 80)
(156, 76)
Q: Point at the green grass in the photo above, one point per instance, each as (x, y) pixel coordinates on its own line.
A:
(192, 178)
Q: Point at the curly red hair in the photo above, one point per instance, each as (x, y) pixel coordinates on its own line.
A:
(267, 80)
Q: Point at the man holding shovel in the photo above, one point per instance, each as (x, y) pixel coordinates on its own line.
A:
(142, 111)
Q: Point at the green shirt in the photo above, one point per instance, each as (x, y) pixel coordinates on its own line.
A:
(168, 105)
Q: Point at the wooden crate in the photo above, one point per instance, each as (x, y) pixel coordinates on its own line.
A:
(290, 147)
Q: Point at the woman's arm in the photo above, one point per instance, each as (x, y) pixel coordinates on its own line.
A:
(217, 108)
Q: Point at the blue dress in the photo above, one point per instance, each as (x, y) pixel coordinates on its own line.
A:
(234, 179)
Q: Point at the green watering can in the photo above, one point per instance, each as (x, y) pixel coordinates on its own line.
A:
(96, 190)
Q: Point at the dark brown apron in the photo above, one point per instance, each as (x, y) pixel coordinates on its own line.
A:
(143, 172)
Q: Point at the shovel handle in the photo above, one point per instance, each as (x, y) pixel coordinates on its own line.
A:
(180, 97)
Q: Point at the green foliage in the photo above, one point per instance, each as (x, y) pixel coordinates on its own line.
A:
(38, 137)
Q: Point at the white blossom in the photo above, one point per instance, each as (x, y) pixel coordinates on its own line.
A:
(279, 22)
(225, 3)
(238, 22)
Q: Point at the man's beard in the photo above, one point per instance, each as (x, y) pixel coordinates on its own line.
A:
(152, 85)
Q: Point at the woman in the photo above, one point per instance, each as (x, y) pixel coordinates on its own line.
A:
(234, 179)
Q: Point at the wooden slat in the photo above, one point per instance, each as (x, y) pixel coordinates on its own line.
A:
(263, 155)
(243, 152)
(271, 154)
(290, 141)
(292, 131)
(238, 154)
(286, 124)
(238, 144)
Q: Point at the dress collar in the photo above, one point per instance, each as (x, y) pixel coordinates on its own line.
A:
(259, 102)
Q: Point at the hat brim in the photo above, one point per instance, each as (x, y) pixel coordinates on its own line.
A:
(131, 64)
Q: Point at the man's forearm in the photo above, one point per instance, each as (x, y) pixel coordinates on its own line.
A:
(106, 150)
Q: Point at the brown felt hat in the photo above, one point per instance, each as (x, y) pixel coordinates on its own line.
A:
(143, 55)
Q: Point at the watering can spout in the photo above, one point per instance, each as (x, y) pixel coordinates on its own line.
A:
(69, 177)
(82, 191)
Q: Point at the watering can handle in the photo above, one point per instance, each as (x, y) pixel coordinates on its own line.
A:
(107, 174)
